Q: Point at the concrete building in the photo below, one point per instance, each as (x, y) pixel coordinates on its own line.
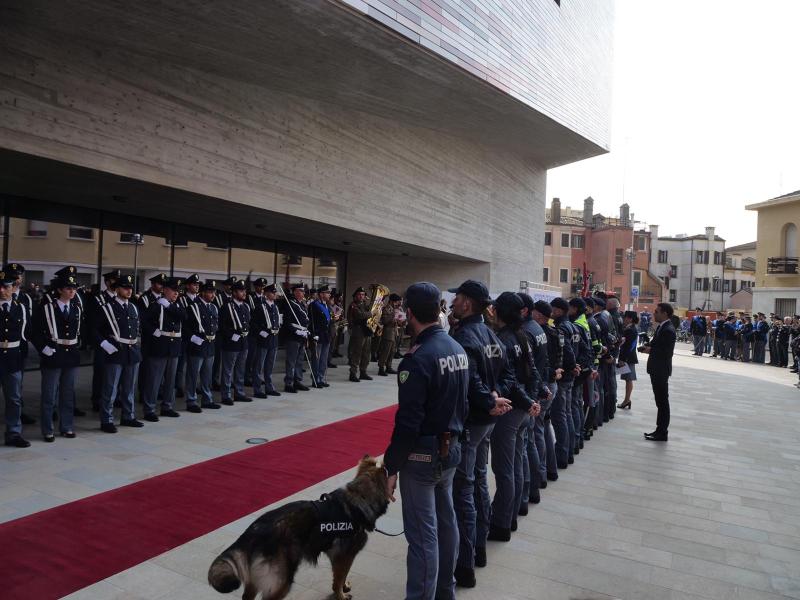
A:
(351, 141)
(740, 276)
(777, 287)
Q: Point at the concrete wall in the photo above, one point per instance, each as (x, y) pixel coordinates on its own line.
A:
(147, 119)
(553, 58)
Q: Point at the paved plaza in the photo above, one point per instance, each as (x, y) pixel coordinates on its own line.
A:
(713, 514)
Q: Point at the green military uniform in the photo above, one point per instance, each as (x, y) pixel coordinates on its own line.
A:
(388, 337)
(358, 350)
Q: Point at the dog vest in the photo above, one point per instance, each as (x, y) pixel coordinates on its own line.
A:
(333, 519)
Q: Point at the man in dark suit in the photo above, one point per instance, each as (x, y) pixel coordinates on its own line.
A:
(659, 367)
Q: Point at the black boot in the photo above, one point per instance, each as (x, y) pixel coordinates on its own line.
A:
(499, 534)
(465, 577)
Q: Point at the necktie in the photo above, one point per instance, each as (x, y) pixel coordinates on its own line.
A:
(5, 307)
(66, 312)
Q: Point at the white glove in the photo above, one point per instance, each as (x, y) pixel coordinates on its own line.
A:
(48, 351)
(275, 331)
(163, 302)
(316, 338)
(302, 333)
(157, 332)
(108, 346)
(235, 337)
(197, 340)
(264, 334)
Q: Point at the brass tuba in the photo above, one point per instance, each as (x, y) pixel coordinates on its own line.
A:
(378, 293)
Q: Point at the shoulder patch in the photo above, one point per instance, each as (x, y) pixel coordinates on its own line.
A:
(402, 376)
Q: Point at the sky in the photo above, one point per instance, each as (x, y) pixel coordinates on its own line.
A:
(705, 116)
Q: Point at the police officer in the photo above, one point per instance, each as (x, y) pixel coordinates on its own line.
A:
(490, 381)
(319, 317)
(432, 409)
(698, 331)
(189, 296)
(555, 371)
(162, 326)
(16, 272)
(14, 329)
(153, 293)
(220, 299)
(56, 336)
(585, 357)
(201, 325)
(295, 332)
(118, 335)
(93, 313)
(761, 329)
(561, 409)
(389, 335)
(358, 349)
(254, 299)
(234, 327)
(267, 320)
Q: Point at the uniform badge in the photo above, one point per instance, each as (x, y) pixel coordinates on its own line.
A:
(403, 376)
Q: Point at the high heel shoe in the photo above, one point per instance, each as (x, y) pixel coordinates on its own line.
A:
(623, 405)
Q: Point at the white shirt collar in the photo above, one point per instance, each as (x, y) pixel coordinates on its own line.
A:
(238, 302)
(121, 301)
(62, 305)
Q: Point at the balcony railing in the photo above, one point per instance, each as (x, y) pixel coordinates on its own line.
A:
(782, 265)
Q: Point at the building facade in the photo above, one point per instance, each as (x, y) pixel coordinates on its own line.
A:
(740, 276)
(777, 278)
(344, 141)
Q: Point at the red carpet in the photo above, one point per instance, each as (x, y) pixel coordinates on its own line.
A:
(55, 552)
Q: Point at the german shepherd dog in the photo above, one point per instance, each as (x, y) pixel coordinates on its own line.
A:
(267, 555)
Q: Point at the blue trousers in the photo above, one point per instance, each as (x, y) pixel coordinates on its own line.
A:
(319, 361)
(507, 444)
(58, 385)
(471, 494)
(159, 370)
(759, 352)
(232, 376)
(429, 520)
(199, 370)
(12, 393)
(295, 352)
(699, 344)
(264, 365)
(561, 417)
(119, 382)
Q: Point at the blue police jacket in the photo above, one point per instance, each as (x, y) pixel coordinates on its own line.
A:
(61, 333)
(295, 320)
(320, 321)
(730, 331)
(564, 327)
(14, 330)
(762, 329)
(526, 377)
(120, 323)
(433, 379)
(488, 367)
(582, 344)
(234, 320)
(719, 329)
(169, 322)
(202, 321)
(698, 326)
(264, 317)
(537, 338)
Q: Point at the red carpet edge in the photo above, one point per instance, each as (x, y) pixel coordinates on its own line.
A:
(55, 552)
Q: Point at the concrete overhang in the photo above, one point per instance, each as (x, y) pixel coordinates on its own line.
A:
(319, 49)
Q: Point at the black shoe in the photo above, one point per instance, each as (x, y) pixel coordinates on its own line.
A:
(382, 373)
(68, 434)
(480, 556)
(365, 376)
(571, 460)
(332, 366)
(77, 412)
(576, 451)
(534, 497)
(215, 386)
(465, 577)
(552, 476)
(656, 437)
(260, 395)
(168, 412)
(193, 408)
(50, 438)
(131, 423)
(212, 406)
(522, 512)
(248, 383)
(354, 379)
(227, 402)
(242, 399)
(108, 428)
(300, 387)
(289, 389)
(152, 417)
(17, 441)
(563, 466)
(580, 444)
(391, 371)
(325, 384)
(513, 525)
(179, 393)
(273, 393)
(543, 484)
(499, 534)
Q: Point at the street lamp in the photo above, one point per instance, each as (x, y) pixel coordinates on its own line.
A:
(137, 239)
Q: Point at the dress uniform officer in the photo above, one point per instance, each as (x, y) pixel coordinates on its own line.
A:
(425, 449)
(202, 324)
(319, 316)
(153, 294)
(295, 332)
(14, 327)
(561, 409)
(389, 334)
(118, 335)
(555, 371)
(585, 357)
(162, 326)
(56, 336)
(490, 381)
(358, 349)
(220, 298)
(267, 320)
(254, 299)
(93, 313)
(234, 327)
(17, 272)
(191, 289)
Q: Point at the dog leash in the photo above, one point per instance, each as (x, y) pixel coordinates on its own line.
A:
(390, 534)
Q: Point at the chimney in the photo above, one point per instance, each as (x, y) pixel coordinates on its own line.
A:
(588, 211)
(555, 211)
(710, 233)
(624, 215)
(653, 232)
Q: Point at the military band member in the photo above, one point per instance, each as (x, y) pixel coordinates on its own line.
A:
(391, 321)
(220, 298)
(358, 349)
(254, 299)
(234, 327)
(118, 335)
(56, 336)
(14, 326)
(319, 316)
(93, 313)
(16, 272)
(295, 331)
(265, 323)
(162, 337)
(202, 324)
(188, 297)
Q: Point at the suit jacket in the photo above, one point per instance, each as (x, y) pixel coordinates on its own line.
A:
(662, 346)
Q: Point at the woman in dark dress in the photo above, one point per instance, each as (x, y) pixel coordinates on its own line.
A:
(627, 354)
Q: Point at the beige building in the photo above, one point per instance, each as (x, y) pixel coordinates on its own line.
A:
(777, 278)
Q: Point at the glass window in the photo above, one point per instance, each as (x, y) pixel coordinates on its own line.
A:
(618, 255)
(81, 233)
(641, 242)
(329, 268)
(663, 256)
(545, 274)
(637, 278)
(726, 288)
(673, 271)
(698, 284)
(564, 275)
(705, 284)
(193, 255)
(36, 228)
(577, 241)
(565, 240)
(548, 238)
(137, 246)
(673, 295)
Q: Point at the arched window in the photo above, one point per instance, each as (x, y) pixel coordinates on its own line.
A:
(790, 240)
